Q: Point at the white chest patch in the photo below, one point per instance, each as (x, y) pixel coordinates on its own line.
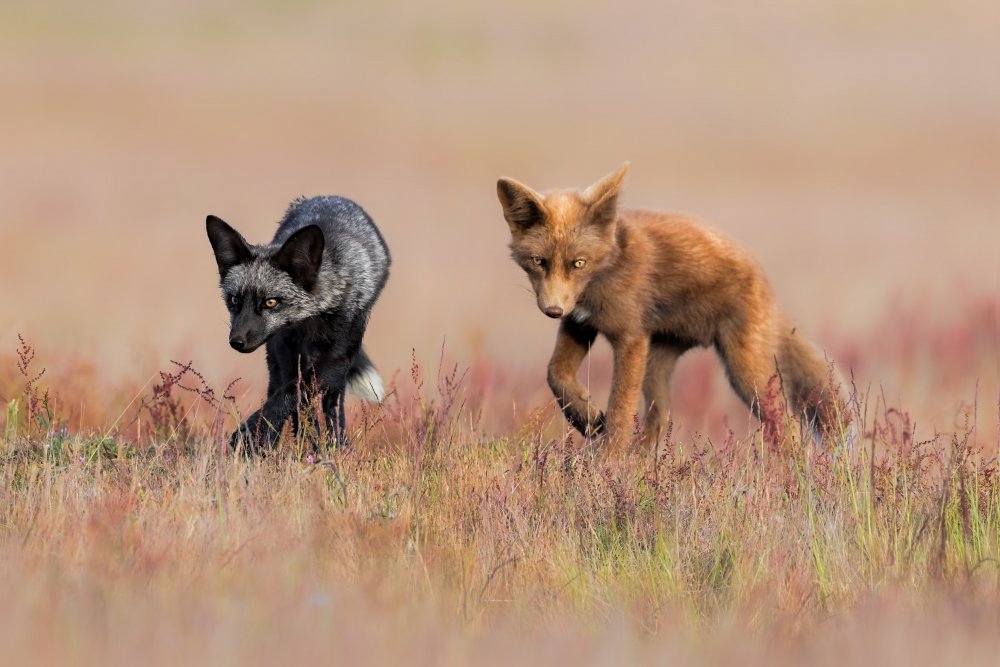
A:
(580, 314)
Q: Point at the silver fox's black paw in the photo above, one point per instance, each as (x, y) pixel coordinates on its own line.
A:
(334, 439)
(242, 441)
(341, 443)
(253, 437)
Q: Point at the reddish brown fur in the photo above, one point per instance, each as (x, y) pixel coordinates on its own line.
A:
(655, 285)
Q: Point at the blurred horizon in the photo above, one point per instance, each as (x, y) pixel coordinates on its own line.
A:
(852, 146)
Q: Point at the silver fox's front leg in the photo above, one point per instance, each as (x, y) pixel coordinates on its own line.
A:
(253, 433)
(259, 428)
(263, 428)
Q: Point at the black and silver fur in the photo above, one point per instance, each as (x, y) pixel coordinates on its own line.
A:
(307, 296)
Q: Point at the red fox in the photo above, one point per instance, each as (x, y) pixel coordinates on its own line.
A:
(655, 285)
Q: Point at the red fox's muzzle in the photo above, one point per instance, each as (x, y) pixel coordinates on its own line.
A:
(555, 297)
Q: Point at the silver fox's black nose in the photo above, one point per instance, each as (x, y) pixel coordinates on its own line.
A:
(237, 343)
(553, 311)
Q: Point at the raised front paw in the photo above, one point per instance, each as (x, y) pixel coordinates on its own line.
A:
(590, 426)
(596, 427)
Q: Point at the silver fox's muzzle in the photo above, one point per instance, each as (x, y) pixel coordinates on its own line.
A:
(244, 343)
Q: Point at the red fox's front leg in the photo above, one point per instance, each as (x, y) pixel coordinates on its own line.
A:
(660, 364)
(630, 354)
(572, 345)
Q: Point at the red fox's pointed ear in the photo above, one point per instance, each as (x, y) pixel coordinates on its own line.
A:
(602, 196)
(522, 206)
(607, 186)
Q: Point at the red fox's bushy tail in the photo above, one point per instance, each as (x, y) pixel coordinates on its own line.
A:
(812, 385)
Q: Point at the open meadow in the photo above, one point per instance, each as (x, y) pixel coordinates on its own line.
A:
(853, 147)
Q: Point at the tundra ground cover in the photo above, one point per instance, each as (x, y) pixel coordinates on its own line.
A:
(434, 539)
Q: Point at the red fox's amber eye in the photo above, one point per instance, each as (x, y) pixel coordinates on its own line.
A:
(537, 260)
(579, 264)
(270, 303)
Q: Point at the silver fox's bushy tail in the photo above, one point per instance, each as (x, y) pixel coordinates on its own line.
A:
(363, 380)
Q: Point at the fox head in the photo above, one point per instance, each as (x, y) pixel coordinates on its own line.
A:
(265, 287)
(561, 239)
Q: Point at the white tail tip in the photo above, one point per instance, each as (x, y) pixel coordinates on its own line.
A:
(367, 385)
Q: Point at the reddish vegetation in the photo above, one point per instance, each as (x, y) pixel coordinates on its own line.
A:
(461, 527)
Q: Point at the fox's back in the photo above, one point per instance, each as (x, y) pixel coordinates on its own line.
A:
(342, 221)
(356, 258)
(681, 236)
(677, 275)
(685, 253)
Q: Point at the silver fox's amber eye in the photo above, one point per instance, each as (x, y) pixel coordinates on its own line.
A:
(270, 303)
(538, 261)
(234, 300)
(579, 264)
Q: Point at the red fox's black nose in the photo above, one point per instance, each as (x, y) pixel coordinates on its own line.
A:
(237, 343)
(553, 311)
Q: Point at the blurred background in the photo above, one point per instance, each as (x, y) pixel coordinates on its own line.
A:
(853, 145)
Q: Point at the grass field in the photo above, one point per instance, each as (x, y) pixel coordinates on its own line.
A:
(437, 539)
(852, 146)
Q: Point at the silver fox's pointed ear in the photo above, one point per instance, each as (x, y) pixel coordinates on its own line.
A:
(229, 246)
(602, 196)
(301, 256)
(522, 206)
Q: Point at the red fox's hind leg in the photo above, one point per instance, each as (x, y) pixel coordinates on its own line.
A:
(749, 359)
(814, 389)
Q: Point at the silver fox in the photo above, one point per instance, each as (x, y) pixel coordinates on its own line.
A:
(307, 296)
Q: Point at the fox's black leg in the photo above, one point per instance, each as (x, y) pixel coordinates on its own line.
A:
(255, 434)
(334, 378)
(342, 413)
(333, 375)
(263, 428)
(331, 410)
(572, 345)
(336, 420)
